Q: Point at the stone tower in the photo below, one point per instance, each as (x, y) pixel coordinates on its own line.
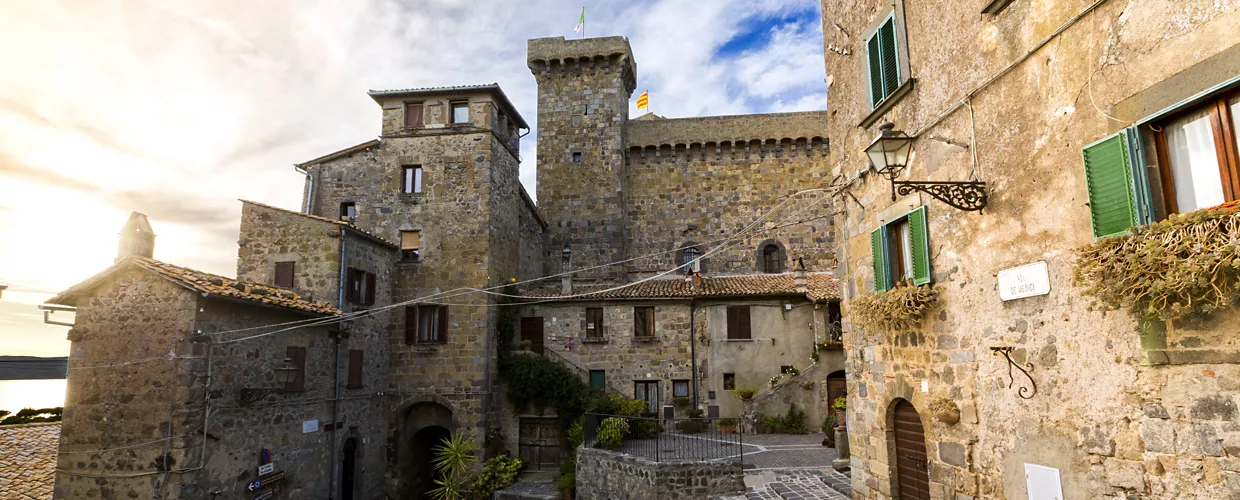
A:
(583, 105)
(137, 238)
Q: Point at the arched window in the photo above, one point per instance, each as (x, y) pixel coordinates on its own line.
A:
(771, 259)
(692, 259)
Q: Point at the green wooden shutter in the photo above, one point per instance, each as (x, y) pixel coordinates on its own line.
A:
(879, 245)
(891, 67)
(874, 65)
(1108, 179)
(920, 245)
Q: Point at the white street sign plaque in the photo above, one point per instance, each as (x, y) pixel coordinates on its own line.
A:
(265, 469)
(1025, 281)
(308, 426)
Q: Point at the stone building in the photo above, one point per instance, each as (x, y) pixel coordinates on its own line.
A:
(1083, 119)
(715, 230)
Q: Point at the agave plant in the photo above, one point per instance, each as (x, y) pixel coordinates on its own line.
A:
(453, 460)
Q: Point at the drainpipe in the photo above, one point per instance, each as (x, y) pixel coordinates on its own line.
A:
(693, 350)
(309, 189)
(331, 482)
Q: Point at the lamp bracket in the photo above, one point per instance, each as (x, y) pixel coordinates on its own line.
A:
(969, 196)
(1023, 392)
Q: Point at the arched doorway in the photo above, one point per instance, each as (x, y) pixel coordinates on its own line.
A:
(348, 470)
(837, 386)
(423, 428)
(907, 440)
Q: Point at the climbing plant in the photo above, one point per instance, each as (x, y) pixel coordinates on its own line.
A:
(894, 310)
(1187, 265)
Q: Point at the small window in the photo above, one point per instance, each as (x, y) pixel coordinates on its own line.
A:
(785, 369)
(729, 381)
(680, 388)
(643, 322)
(413, 115)
(772, 261)
(598, 379)
(691, 259)
(647, 391)
(348, 211)
(882, 61)
(1199, 158)
(460, 112)
(361, 287)
(284, 274)
(901, 252)
(576, 156)
(426, 324)
(738, 323)
(409, 243)
(355, 368)
(411, 179)
(594, 323)
(297, 356)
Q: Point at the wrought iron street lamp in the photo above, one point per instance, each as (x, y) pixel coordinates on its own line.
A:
(285, 374)
(889, 153)
(567, 254)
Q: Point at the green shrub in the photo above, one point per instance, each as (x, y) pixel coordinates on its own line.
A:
(611, 433)
(828, 425)
(628, 407)
(644, 428)
(840, 404)
(497, 473)
(577, 433)
(769, 423)
(727, 421)
(538, 382)
(694, 424)
(568, 478)
(793, 422)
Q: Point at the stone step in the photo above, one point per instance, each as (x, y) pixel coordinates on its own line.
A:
(529, 490)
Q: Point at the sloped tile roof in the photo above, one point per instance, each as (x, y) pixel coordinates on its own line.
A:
(349, 225)
(201, 282)
(820, 287)
(28, 460)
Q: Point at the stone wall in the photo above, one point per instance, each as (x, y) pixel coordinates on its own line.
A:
(609, 475)
(270, 235)
(1108, 413)
(813, 401)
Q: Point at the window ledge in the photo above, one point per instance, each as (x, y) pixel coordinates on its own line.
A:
(593, 340)
(645, 339)
(888, 103)
(413, 198)
(425, 348)
(738, 340)
(354, 387)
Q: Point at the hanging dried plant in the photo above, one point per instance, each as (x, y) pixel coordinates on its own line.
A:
(893, 310)
(1181, 267)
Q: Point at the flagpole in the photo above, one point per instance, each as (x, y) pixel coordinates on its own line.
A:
(583, 23)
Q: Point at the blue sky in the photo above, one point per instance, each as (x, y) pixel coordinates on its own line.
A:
(177, 109)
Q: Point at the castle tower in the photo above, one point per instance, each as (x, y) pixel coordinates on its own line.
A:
(583, 105)
(137, 238)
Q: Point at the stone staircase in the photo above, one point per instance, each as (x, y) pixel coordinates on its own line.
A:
(795, 485)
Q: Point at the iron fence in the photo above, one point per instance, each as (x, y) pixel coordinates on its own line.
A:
(667, 440)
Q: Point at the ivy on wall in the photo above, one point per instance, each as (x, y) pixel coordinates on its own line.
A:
(1181, 267)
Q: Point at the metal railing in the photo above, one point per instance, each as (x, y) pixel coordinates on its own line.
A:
(668, 440)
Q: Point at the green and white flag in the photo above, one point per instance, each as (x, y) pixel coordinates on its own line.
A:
(581, 24)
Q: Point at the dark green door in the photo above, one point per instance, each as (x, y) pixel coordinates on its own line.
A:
(598, 379)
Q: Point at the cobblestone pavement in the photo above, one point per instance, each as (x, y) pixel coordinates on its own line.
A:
(790, 467)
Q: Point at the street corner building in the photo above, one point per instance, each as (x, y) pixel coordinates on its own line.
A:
(1029, 190)
(666, 258)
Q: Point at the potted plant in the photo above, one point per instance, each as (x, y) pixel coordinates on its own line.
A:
(525, 345)
(745, 392)
(792, 371)
(807, 385)
(840, 405)
(946, 411)
(568, 479)
(774, 380)
(727, 425)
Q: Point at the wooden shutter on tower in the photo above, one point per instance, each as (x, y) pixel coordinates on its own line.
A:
(411, 325)
(413, 115)
(1108, 179)
(355, 368)
(443, 323)
(370, 289)
(878, 243)
(409, 240)
(284, 274)
(920, 245)
(297, 355)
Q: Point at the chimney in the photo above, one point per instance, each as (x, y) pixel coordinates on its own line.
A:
(137, 238)
(566, 281)
(799, 280)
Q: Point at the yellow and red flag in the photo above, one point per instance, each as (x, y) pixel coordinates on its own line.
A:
(643, 102)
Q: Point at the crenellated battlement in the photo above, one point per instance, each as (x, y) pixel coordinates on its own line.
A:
(801, 147)
(550, 57)
(808, 126)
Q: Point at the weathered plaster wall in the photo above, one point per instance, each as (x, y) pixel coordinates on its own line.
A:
(813, 401)
(1113, 424)
(603, 474)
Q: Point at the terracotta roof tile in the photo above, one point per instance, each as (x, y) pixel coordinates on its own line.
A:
(820, 286)
(337, 222)
(28, 460)
(204, 283)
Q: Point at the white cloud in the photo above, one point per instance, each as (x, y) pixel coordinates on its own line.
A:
(179, 108)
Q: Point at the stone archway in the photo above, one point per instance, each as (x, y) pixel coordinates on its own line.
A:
(424, 426)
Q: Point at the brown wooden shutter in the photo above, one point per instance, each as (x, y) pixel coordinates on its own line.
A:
(743, 323)
(370, 289)
(409, 240)
(284, 274)
(298, 356)
(413, 115)
(350, 284)
(443, 323)
(411, 325)
(355, 368)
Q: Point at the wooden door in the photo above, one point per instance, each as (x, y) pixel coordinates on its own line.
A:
(910, 459)
(532, 330)
(837, 387)
(540, 443)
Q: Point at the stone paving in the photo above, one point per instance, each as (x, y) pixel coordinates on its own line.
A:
(791, 467)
